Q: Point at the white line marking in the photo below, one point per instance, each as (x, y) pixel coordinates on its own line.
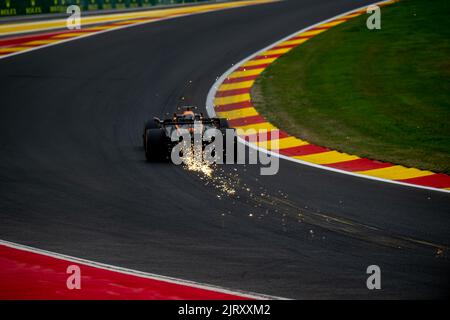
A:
(141, 274)
(211, 112)
(127, 26)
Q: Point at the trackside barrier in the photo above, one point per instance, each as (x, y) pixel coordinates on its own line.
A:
(31, 7)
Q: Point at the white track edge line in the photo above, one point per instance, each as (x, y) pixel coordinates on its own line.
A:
(128, 26)
(116, 16)
(211, 112)
(137, 273)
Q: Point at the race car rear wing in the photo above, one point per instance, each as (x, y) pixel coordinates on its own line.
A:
(186, 121)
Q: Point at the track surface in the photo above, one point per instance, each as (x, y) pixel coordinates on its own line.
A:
(73, 177)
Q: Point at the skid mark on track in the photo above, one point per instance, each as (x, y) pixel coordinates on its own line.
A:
(351, 228)
(230, 187)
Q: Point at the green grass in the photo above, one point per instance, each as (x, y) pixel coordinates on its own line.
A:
(382, 94)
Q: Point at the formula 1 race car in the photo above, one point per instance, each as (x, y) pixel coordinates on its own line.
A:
(157, 136)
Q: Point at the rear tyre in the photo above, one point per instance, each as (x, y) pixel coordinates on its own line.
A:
(155, 145)
(151, 124)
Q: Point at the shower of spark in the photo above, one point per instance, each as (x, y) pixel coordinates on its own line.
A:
(210, 172)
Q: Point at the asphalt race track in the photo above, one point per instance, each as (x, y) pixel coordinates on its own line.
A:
(74, 180)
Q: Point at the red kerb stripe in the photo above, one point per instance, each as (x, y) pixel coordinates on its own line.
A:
(246, 121)
(270, 135)
(438, 180)
(241, 79)
(259, 66)
(267, 56)
(285, 46)
(362, 164)
(28, 275)
(303, 150)
(233, 106)
(233, 92)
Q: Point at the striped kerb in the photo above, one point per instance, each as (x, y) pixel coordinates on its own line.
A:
(233, 101)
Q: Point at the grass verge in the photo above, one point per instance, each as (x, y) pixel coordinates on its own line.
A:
(382, 94)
